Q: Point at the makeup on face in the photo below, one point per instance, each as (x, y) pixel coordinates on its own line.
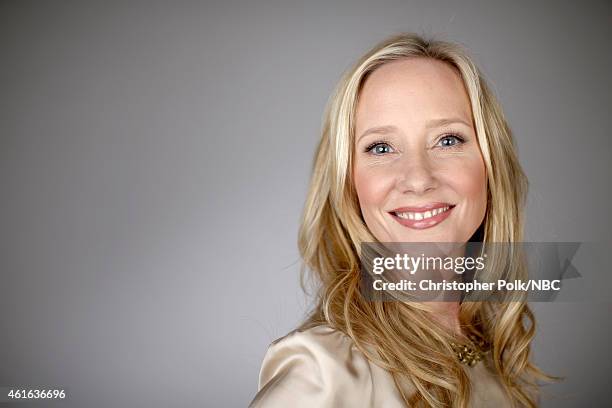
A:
(418, 170)
(424, 216)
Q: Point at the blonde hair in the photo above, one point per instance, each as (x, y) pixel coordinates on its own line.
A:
(402, 337)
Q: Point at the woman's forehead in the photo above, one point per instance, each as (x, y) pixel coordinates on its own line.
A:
(413, 90)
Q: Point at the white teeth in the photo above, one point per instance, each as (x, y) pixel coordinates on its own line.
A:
(418, 216)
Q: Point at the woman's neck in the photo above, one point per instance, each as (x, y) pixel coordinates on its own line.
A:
(447, 314)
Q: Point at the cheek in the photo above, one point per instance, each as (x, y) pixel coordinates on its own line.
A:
(471, 183)
(372, 186)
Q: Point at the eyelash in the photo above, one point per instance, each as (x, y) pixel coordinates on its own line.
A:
(377, 143)
(460, 141)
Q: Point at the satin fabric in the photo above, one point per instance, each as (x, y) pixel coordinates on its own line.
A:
(321, 367)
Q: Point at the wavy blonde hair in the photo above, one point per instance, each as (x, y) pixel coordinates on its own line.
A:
(399, 336)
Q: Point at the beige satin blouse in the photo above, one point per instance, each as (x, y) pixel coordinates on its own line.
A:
(321, 367)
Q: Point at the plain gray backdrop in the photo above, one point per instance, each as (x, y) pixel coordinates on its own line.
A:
(154, 161)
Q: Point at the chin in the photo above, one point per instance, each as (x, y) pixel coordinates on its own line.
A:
(421, 238)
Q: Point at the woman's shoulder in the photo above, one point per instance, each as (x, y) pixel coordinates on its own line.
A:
(322, 350)
(318, 366)
(320, 341)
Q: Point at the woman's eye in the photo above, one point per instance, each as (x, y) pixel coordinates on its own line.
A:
(450, 141)
(379, 149)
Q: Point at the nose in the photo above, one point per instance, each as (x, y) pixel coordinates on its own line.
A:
(415, 174)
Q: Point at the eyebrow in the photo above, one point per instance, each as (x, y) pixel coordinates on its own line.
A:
(434, 123)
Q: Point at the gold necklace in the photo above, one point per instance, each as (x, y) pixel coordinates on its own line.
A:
(470, 354)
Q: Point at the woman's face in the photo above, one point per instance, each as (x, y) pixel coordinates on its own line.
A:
(418, 170)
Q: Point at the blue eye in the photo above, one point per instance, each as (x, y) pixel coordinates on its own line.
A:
(379, 148)
(450, 141)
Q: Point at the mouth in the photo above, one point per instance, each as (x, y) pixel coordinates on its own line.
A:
(422, 217)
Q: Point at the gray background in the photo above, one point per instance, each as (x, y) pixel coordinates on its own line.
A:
(154, 160)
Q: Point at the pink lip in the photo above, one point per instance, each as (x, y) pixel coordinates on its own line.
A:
(426, 207)
(423, 224)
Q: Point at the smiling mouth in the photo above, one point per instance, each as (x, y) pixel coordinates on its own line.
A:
(422, 217)
(410, 215)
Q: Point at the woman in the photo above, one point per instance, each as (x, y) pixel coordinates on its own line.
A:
(414, 148)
